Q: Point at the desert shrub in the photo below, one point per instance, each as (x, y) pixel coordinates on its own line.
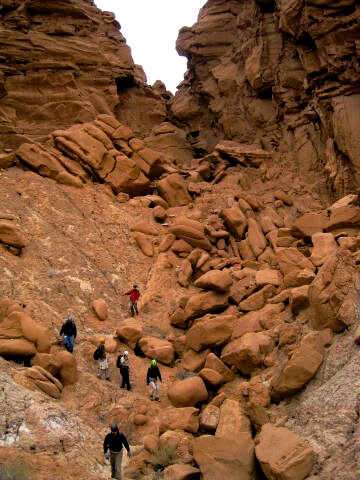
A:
(163, 456)
(17, 471)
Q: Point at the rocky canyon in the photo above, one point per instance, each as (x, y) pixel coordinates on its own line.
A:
(234, 206)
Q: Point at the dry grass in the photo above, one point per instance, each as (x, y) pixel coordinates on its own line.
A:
(164, 455)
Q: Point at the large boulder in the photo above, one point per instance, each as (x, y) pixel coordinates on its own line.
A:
(191, 231)
(129, 332)
(333, 295)
(68, 374)
(235, 221)
(247, 352)
(180, 472)
(282, 454)
(222, 458)
(186, 418)
(160, 349)
(188, 392)
(11, 235)
(209, 331)
(301, 367)
(219, 280)
(20, 335)
(324, 246)
(214, 363)
(204, 302)
(174, 190)
(292, 259)
(233, 421)
(309, 224)
(209, 418)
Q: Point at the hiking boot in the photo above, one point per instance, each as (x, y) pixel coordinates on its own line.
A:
(157, 399)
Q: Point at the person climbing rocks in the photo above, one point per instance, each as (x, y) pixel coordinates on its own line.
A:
(153, 374)
(100, 355)
(113, 444)
(122, 363)
(69, 331)
(134, 297)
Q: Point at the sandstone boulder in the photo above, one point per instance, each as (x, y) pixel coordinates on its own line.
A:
(257, 300)
(100, 308)
(173, 189)
(233, 421)
(186, 418)
(209, 418)
(203, 303)
(10, 234)
(20, 335)
(268, 277)
(296, 278)
(48, 361)
(292, 259)
(324, 246)
(211, 377)
(235, 221)
(291, 459)
(160, 349)
(188, 392)
(309, 224)
(220, 458)
(347, 216)
(180, 472)
(248, 352)
(209, 331)
(130, 332)
(219, 280)
(256, 238)
(301, 367)
(214, 363)
(332, 295)
(299, 298)
(68, 374)
(192, 231)
(194, 361)
(144, 243)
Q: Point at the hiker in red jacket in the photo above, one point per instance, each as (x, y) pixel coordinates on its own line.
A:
(134, 297)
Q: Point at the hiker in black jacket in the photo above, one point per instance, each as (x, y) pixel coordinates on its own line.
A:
(153, 374)
(69, 331)
(113, 444)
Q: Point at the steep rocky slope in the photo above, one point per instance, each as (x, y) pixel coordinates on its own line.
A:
(233, 206)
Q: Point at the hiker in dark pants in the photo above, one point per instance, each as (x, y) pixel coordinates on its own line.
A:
(100, 355)
(113, 444)
(122, 363)
(153, 374)
(134, 297)
(69, 331)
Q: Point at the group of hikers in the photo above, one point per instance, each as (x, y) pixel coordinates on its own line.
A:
(115, 440)
(153, 374)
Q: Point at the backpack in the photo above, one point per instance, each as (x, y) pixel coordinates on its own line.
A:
(118, 361)
(96, 354)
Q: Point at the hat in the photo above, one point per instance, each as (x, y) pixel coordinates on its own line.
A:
(126, 352)
(114, 427)
(102, 340)
(153, 362)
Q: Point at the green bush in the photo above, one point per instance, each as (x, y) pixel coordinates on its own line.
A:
(164, 455)
(16, 471)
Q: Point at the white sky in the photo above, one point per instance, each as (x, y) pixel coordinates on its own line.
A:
(151, 28)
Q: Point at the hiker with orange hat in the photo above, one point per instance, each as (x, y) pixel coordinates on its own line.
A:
(100, 355)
